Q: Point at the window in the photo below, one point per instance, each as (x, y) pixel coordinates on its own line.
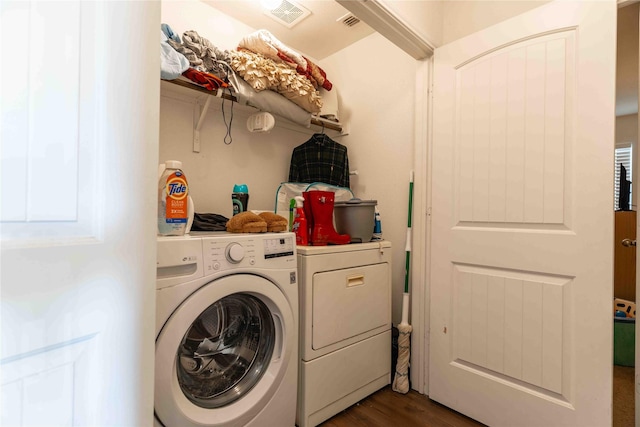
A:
(622, 155)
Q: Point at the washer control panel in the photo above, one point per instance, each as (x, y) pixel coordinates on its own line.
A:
(279, 247)
(265, 250)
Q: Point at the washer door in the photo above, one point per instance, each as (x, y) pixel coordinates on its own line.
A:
(222, 354)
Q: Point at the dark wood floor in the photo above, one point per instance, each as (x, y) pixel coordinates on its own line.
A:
(387, 408)
(624, 408)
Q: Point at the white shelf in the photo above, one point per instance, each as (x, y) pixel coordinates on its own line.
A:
(204, 96)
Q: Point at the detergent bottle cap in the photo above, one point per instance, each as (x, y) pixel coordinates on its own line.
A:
(173, 164)
(240, 188)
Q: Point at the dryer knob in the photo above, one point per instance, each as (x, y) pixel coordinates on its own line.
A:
(235, 253)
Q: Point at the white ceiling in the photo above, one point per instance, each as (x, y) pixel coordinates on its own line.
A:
(317, 36)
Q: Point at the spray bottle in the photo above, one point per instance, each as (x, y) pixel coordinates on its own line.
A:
(377, 225)
(300, 223)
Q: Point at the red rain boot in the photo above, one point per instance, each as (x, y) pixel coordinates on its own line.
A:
(323, 231)
(308, 213)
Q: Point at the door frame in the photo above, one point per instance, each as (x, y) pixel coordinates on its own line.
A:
(421, 229)
(621, 4)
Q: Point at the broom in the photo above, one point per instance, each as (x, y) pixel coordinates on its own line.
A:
(401, 379)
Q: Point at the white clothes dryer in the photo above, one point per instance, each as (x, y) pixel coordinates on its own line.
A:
(226, 330)
(345, 327)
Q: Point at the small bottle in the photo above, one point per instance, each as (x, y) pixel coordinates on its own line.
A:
(173, 190)
(300, 223)
(240, 198)
(292, 209)
(377, 225)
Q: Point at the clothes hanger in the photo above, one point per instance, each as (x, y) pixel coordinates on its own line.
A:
(319, 138)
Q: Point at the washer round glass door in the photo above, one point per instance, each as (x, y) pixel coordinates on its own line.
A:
(223, 353)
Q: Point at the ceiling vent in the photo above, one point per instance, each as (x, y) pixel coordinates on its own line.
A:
(289, 13)
(349, 20)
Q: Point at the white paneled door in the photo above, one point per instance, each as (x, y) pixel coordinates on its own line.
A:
(521, 268)
(79, 141)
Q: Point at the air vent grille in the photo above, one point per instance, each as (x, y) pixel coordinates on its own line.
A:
(349, 20)
(288, 13)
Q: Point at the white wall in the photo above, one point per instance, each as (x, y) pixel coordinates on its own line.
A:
(627, 129)
(259, 160)
(375, 81)
(464, 17)
(441, 22)
(377, 85)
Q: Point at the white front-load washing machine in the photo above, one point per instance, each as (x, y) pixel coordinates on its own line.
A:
(226, 330)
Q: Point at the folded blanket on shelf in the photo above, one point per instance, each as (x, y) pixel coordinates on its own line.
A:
(168, 31)
(318, 74)
(207, 80)
(202, 54)
(172, 62)
(263, 73)
(264, 43)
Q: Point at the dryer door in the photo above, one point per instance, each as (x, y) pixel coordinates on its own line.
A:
(223, 353)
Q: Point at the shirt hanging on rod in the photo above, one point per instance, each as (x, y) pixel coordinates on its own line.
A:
(320, 159)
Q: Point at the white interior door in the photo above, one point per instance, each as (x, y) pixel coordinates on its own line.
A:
(79, 144)
(521, 270)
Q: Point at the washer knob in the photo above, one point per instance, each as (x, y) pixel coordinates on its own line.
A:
(235, 253)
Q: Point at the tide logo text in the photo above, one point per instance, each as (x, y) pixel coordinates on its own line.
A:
(177, 188)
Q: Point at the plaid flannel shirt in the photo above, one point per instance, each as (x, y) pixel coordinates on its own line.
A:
(320, 159)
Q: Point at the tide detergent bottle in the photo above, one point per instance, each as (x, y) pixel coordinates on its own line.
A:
(175, 209)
